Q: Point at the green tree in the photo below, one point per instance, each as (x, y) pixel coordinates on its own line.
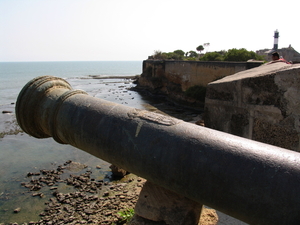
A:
(240, 55)
(192, 54)
(179, 52)
(200, 48)
(212, 56)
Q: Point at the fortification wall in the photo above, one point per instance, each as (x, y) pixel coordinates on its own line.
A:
(262, 104)
(173, 78)
(191, 73)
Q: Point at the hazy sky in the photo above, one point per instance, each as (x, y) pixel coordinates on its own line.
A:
(81, 30)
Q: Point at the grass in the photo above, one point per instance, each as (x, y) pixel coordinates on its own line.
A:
(126, 215)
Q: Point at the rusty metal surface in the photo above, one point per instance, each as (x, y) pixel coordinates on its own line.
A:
(254, 182)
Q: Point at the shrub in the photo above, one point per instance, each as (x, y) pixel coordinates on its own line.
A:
(240, 55)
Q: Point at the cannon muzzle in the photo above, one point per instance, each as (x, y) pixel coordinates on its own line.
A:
(254, 182)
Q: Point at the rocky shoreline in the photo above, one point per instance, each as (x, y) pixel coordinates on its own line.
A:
(91, 202)
(88, 201)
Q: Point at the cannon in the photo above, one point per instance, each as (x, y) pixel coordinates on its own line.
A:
(251, 181)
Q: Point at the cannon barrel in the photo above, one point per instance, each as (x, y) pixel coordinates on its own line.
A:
(251, 181)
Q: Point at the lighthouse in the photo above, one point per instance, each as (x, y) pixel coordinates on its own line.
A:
(276, 36)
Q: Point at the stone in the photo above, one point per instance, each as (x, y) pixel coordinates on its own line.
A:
(158, 204)
(16, 210)
(208, 217)
(118, 172)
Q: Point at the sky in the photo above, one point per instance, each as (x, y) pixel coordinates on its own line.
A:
(127, 30)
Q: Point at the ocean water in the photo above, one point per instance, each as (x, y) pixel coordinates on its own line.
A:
(14, 75)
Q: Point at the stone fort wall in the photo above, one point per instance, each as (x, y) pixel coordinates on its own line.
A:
(261, 104)
(173, 78)
(190, 73)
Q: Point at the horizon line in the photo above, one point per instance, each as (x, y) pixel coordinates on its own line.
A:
(76, 61)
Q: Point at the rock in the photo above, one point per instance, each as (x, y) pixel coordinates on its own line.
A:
(200, 123)
(208, 216)
(29, 174)
(74, 166)
(88, 211)
(68, 162)
(35, 188)
(6, 112)
(38, 194)
(16, 210)
(118, 172)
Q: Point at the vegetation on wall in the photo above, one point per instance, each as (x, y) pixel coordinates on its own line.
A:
(197, 92)
(177, 54)
(234, 54)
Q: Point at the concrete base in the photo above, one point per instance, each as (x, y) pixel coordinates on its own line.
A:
(162, 206)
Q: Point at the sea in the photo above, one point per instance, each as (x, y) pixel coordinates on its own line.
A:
(14, 75)
(21, 153)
